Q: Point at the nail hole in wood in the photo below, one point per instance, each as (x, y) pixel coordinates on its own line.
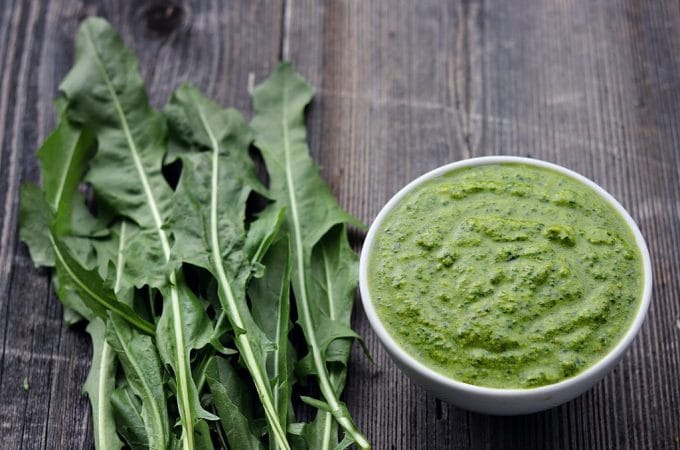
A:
(164, 18)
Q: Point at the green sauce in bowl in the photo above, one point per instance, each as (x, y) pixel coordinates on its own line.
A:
(505, 275)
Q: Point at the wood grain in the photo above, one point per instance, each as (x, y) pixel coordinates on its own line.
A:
(406, 86)
(215, 47)
(402, 87)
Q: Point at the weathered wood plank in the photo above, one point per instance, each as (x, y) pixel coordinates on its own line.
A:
(402, 87)
(217, 47)
(406, 86)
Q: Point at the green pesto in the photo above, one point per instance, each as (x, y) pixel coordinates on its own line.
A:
(508, 276)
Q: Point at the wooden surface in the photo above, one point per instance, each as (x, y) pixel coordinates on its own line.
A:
(403, 86)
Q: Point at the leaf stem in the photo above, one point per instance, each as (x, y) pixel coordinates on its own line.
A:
(108, 304)
(155, 411)
(243, 339)
(107, 359)
(322, 372)
(120, 261)
(182, 369)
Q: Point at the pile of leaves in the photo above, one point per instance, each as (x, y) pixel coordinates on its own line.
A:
(183, 259)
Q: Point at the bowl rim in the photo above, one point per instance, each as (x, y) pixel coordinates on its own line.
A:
(421, 369)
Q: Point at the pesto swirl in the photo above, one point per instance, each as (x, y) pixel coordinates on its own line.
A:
(509, 276)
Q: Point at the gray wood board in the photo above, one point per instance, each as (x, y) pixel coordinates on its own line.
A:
(402, 87)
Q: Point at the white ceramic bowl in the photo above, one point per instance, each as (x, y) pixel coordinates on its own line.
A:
(494, 400)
